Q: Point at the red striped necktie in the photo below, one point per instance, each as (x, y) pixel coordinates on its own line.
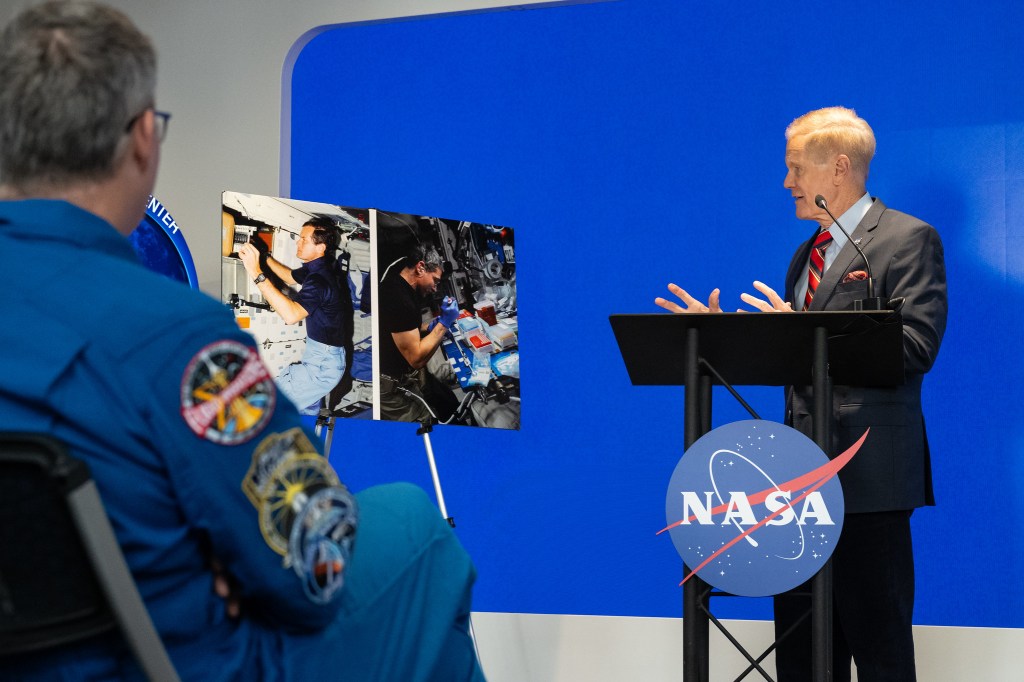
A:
(817, 266)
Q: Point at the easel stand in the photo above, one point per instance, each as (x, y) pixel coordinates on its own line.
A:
(857, 348)
(424, 430)
(325, 419)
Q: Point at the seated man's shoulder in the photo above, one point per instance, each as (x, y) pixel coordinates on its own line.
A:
(138, 306)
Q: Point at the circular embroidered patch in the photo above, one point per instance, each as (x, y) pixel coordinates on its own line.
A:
(321, 541)
(227, 395)
(305, 514)
(286, 493)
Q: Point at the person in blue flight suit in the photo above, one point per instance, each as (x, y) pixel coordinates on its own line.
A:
(322, 302)
(254, 561)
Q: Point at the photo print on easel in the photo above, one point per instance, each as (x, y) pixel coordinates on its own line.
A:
(459, 276)
(368, 313)
(296, 274)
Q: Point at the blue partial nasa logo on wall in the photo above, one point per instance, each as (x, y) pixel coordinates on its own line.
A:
(160, 245)
(755, 508)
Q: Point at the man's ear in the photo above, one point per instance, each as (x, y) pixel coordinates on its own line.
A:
(144, 145)
(841, 169)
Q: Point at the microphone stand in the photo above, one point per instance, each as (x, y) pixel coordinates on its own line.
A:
(872, 302)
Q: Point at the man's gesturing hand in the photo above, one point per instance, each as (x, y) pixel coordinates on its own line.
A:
(692, 304)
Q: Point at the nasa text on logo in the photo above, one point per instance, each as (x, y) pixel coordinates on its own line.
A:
(755, 508)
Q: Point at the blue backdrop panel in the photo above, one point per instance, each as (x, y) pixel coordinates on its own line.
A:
(638, 142)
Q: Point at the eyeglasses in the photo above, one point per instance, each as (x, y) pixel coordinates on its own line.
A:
(161, 119)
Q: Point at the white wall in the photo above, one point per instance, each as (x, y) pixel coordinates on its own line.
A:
(523, 647)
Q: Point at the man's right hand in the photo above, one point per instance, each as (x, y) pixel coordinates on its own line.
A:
(225, 587)
(692, 304)
(449, 311)
(250, 258)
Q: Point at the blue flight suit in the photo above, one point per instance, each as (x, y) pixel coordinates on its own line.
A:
(198, 457)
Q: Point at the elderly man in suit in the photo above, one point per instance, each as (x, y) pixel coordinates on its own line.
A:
(828, 155)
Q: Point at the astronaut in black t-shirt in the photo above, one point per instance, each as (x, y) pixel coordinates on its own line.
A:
(323, 302)
(406, 344)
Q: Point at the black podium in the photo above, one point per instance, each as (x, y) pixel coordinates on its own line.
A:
(817, 349)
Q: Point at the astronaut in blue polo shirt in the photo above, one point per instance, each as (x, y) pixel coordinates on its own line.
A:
(322, 302)
(253, 559)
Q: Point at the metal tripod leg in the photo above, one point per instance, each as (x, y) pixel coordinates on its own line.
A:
(325, 419)
(424, 430)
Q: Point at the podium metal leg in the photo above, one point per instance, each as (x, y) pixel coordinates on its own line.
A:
(696, 664)
(692, 413)
(821, 585)
(821, 624)
(697, 422)
(696, 625)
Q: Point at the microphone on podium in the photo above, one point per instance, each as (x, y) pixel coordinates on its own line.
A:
(872, 302)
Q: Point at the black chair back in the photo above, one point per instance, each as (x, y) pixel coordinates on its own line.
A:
(63, 577)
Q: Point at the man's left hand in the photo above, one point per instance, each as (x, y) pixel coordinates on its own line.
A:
(774, 304)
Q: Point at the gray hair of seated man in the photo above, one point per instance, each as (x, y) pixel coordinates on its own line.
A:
(75, 76)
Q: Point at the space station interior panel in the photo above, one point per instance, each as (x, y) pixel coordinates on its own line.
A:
(233, 279)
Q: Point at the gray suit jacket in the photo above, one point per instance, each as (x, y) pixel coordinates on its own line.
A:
(892, 470)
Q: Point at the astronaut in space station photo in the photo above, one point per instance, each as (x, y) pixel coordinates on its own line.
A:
(294, 273)
(372, 314)
(447, 321)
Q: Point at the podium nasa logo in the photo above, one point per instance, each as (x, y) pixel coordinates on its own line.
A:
(755, 508)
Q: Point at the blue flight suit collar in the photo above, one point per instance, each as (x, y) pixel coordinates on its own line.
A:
(61, 221)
